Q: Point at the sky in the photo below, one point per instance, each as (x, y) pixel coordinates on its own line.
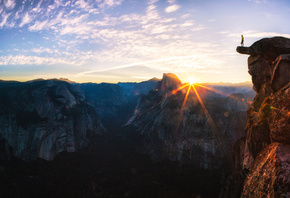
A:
(134, 40)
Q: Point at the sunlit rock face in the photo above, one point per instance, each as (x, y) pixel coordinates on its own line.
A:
(268, 119)
(181, 130)
(169, 83)
(270, 176)
(279, 115)
(269, 66)
(281, 72)
(43, 118)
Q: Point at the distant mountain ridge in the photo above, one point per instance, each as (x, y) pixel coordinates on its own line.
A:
(111, 105)
(180, 130)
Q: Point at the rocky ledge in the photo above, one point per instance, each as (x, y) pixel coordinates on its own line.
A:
(267, 144)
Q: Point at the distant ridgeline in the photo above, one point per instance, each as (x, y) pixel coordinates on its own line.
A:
(42, 118)
(92, 132)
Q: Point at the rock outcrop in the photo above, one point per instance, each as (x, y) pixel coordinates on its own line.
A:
(270, 176)
(262, 55)
(178, 129)
(281, 72)
(43, 118)
(268, 125)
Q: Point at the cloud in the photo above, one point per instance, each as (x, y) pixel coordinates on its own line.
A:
(187, 23)
(9, 4)
(82, 3)
(26, 19)
(258, 1)
(36, 60)
(172, 8)
(171, 1)
(38, 8)
(152, 1)
(4, 19)
(81, 29)
(42, 50)
(115, 41)
(110, 3)
(37, 26)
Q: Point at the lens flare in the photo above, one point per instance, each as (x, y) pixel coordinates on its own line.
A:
(192, 86)
(186, 96)
(224, 145)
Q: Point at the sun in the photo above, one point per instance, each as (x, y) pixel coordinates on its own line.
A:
(191, 81)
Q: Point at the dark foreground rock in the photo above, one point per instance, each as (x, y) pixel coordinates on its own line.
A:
(266, 153)
(262, 55)
(270, 176)
(112, 166)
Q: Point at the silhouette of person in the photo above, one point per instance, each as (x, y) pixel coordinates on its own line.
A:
(242, 40)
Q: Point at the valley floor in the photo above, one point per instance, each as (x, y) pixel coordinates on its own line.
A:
(111, 166)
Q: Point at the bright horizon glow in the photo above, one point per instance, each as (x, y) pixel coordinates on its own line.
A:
(191, 81)
(132, 41)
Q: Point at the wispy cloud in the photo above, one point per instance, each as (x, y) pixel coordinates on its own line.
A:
(258, 1)
(109, 3)
(82, 3)
(4, 19)
(149, 36)
(41, 50)
(9, 4)
(36, 60)
(26, 19)
(171, 1)
(38, 7)
(37, 26)
(152, 1)
(172, 8)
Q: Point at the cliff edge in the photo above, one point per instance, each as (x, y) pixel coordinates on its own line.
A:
(267, 130)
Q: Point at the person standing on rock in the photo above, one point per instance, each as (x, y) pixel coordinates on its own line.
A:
(242, 40)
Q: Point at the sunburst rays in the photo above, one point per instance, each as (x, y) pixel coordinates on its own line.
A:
(192, 86)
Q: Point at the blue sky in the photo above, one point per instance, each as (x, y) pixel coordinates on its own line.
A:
(134, 40)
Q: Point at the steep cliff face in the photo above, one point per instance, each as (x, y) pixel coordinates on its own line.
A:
(270, 176)
(109, 101)
(43, 118)
(181, 129)
(115, 103)
(268, 119)
(265, 56)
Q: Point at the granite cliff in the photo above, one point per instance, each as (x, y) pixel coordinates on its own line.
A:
(45, 117)
(267, 142)
(115, 103)
(184, 131)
